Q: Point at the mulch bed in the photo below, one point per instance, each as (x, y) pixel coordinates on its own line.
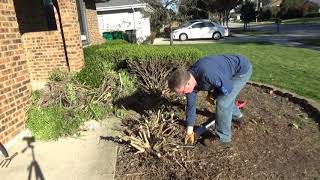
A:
(278, 140)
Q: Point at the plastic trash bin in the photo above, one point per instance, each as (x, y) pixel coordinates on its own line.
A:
(130, 36)
(107, 35)
(117, 35)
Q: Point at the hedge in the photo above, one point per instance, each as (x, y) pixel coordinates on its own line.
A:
(124, 53)
(101, 59)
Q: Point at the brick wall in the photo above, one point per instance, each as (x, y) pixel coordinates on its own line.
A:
(14, 78)
(43, 42)
(92, 20)
(44, 52)
(32, 43)
(72, 35)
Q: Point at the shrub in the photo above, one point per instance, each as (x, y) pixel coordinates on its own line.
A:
(311, 15)
(293, 13)
(51, 122)
(118, 55)
(95, 69)
(163, 35)
(35, 96)
(95, 111)
(57, 75)
(127, 85)
(115, 42)
(150, 64)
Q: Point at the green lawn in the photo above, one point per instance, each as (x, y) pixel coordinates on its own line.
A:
(315, 20)
(294, 69)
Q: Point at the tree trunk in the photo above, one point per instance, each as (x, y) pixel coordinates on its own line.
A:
(245, 26)
(227, 18)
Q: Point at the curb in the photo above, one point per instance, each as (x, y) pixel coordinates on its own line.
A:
(311, 107)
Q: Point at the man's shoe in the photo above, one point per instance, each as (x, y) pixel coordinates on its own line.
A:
(238, 121)
(214, 142)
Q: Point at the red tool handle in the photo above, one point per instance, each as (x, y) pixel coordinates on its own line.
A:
(241, 104)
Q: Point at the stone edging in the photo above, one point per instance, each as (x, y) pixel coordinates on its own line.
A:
(309, 104)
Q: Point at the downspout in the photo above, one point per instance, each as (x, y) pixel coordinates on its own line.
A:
(55, 3)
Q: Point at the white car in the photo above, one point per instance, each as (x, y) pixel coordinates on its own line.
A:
(200, 29)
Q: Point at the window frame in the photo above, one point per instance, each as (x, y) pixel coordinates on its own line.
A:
(82, 18)
(198, 24)
(209, 24)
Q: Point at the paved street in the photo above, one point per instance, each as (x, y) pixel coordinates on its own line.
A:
(287, 35)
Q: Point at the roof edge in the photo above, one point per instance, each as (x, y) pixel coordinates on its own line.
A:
(142, 5)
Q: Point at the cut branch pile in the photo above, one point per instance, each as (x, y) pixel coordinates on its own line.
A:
(157, 134)
(72, 95)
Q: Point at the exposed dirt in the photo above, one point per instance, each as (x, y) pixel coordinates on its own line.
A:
(278, 140)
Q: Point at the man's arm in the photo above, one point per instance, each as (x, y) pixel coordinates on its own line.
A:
(191, 110)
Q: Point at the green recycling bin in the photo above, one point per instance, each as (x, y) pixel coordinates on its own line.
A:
(117, 35)
(107, 35)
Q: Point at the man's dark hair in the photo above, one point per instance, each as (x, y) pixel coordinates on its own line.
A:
(178, 78)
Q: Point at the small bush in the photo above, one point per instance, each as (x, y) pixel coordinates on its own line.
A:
(95, 70)
(311, 15)
(57, 75)
(51, 122)
(127, 85)
(163, 34)
(35, 97)
(96, 111)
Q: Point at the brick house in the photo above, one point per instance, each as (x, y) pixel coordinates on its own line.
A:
(35, 37)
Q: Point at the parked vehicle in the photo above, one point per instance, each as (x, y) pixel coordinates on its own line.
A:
(200, 29)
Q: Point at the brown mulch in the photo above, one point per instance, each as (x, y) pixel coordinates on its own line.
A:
(278, 140)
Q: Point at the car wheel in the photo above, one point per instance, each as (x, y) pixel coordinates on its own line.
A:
(216, 36)
(183, 37)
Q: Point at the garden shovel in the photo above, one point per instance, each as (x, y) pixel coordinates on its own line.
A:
(203, 128)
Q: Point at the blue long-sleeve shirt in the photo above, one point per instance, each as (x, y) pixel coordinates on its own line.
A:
(214, 72)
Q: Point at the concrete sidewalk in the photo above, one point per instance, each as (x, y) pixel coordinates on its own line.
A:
(84, 157)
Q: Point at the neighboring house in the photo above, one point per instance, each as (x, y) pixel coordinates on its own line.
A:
(122, 15)
(37, 36)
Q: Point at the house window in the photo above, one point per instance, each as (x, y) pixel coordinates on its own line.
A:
(35, 15)
(49, 12)
(82, 21)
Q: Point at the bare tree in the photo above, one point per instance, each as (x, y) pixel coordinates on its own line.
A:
(222, 7)
(162, 12)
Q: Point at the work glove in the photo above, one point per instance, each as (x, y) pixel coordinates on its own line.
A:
(190, 136)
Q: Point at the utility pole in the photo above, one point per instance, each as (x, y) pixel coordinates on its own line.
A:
(257, 8)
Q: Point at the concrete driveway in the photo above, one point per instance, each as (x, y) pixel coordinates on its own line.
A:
(86, 157)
